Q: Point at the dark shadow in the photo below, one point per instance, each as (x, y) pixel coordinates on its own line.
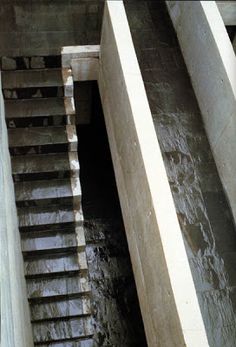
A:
(116, 312)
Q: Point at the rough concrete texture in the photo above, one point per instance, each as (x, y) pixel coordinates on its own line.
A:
(37, 28)
(203, 212)
(117, 318)
(213, 76)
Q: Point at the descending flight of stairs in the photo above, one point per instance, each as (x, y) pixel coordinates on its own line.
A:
(40, 117)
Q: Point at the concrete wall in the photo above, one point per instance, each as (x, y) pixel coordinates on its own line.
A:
(211, 63)
(164, 282)
(15, 317)
(42, 27)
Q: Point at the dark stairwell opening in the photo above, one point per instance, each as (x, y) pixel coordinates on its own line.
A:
(116, 313)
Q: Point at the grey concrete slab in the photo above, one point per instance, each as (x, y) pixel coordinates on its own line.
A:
(31, 78)
(35, 108)
(48, 243)
(41, 190)
(36, 216)
(39, 136)
(58, 287)
(61, 308)
(33, 164)
(62, 330)
(54, 265)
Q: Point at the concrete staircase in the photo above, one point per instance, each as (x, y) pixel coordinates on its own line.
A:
(40, 116)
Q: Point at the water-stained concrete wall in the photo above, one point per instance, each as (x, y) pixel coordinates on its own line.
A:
(15, 317)
(211, 64)
(165, 286)
(42, 27)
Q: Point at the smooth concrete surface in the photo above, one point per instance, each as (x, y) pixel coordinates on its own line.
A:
(228, 11)
(211, 63)
(15, 317)
(164, 282)
(69, 53)
(85, 69)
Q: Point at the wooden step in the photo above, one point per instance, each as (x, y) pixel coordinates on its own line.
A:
(26, 137)
(41, 243)
(40, 166)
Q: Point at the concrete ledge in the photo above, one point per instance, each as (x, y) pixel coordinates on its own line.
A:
(74, 52)
(211, 63)
(164, 282)
(83, 60)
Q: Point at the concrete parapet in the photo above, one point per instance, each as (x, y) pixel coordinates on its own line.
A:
(167, 296)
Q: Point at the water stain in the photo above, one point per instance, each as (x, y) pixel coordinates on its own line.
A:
(203, 212)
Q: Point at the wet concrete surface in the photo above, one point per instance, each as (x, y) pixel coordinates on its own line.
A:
(115, 307)
(204, 215)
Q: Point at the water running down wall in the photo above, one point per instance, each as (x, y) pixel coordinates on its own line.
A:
(203, 212)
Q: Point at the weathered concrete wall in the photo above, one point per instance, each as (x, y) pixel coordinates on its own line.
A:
(211, 63)
(42, 27)
(15, 317)
(164, 282)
